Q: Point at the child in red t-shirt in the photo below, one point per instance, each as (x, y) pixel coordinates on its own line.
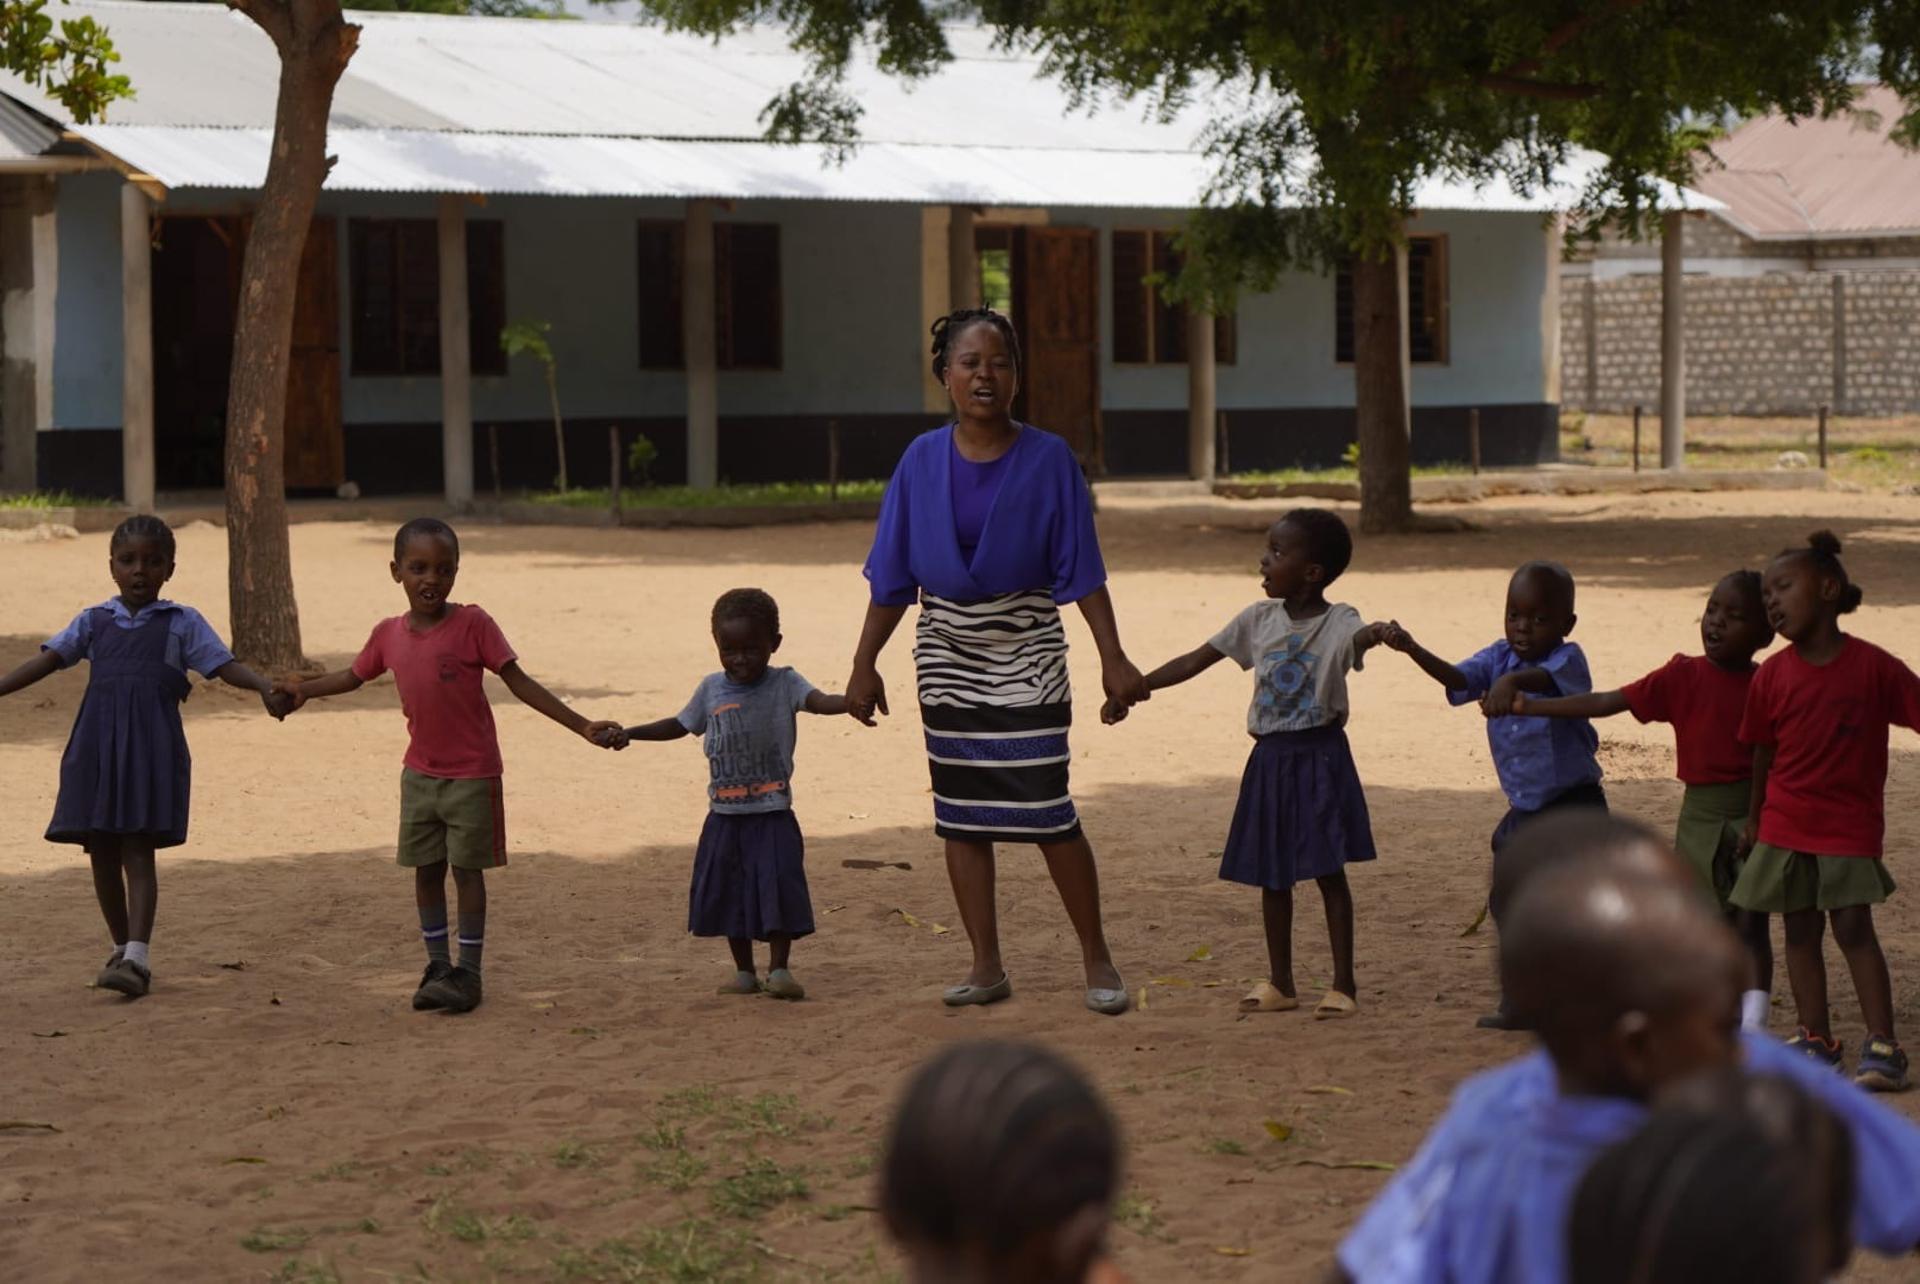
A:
(451, 809)
(1818, 717)
(1704, 697)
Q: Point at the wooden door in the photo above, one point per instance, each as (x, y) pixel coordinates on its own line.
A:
(315, 450)
(1060, 289)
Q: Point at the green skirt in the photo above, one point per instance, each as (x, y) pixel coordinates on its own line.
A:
(1713, 818)
(1777, 881)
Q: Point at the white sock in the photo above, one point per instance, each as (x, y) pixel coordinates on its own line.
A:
(1753, 1009)
(136, 952)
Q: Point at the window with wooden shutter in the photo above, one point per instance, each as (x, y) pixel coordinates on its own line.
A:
(393, 278)
(1149, 329)
(747, 295)
(1427, 322)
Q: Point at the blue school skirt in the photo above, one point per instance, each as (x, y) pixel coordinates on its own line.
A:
(749, 877)
(1301, 813)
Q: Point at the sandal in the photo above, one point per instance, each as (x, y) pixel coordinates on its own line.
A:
(1266, 997)
(962, 996)
(1334, 1007)
(781, 985)
(743, 982)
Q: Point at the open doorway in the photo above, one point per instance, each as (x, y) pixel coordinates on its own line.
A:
(196, 293)
(1048, 280)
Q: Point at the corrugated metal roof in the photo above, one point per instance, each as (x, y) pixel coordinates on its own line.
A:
(1819, 179)
(23, 135)
(371, 160)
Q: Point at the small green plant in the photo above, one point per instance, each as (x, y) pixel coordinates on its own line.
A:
(346, 1170)
(51, 499)
(263, 1240)
(760, 1186)
(665, 1137)
(694, 1251)
(1135, 1212)
(1871, 455)
(1224, 1146)
(676, 1171)
(642, 454)
(303, 1272)
(447, 1218)
(1351, 455)
(574, 1154)
(530, 337)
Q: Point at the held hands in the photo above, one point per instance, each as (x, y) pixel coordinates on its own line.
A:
(1748, 837)
(1395, 638)
(607, 735)
(285, 698)
(1125, 686)
(1504, 698)
(866, 694)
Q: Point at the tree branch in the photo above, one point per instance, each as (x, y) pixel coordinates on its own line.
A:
(275, 17)
(1558, 91)
(1565, 34)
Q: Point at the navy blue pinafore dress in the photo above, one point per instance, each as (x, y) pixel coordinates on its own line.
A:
(126, 769)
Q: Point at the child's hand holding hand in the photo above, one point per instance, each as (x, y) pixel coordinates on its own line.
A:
(1521, 704)
(607, 735)
(1114, 710)
(1501, 696)
(285, 698)
(1396, 638)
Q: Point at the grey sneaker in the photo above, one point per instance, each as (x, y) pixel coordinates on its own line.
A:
(424, 999)
(123, 977)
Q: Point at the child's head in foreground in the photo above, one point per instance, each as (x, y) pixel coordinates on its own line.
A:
(1539, 609)
(1734, 625)
(426, 562)
(746, 632)
(1808, 589)
(1733, 1179)
(1002, 1166)
(1307, 550)
(1610, 953)
(140, 559)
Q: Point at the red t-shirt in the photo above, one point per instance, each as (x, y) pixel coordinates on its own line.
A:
(1704, 702)
(1826, 793)
(449, 726)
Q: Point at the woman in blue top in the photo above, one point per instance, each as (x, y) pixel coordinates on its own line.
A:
(988, 524)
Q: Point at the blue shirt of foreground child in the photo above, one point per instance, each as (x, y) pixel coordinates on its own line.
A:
(1486, 1199)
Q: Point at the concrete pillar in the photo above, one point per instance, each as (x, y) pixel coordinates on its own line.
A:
(1401, 268)
(936, 300)
(456, 373)
(1673, 370)
(1202, 395)
(1550, 370)
(1590, 307)
(136, 345)
(963, 260)
(699, 343)
(29, 263)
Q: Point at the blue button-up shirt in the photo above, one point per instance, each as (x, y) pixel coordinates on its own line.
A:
(191, 641)
(1538, 758)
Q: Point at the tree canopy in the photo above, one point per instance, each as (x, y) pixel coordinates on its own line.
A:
(70, 59)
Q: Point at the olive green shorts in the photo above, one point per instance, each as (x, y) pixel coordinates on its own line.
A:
(462, 822)
(1712, 820)
(1777, 881)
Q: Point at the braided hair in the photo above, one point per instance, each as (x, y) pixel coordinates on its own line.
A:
(948, 329)
(993, 1144)
(143, 526)
(750, 604)
(1823, 549)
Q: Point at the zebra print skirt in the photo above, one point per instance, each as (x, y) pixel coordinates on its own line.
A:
(996, 706)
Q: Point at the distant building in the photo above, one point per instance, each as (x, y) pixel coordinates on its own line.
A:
(612, 180)
(1802, 290)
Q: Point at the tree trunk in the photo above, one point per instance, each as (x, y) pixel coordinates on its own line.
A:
(559, 425)
(314, 44)
(1380, 395)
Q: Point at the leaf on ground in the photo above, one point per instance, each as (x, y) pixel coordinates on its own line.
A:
(1227, 1250)
(586, 1030)
(48, 1034)
(936, 928)
(244, 1159)
(25, 1125)
(238, 965)
(1201, 955)
(1478, 919)
(1142, 1003)
(1277, 1130)
(1371, 1165)
(1329, 1090)
(833, 909)
(1172, 982)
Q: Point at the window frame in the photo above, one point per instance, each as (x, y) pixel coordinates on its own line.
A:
(485, 358)
(726, 296)
(1440, 265)
(1158, 241)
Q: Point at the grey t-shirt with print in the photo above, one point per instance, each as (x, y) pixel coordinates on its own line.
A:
(1302, 679)
(749, 737)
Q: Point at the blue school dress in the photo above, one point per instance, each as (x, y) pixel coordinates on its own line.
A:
(126, 769)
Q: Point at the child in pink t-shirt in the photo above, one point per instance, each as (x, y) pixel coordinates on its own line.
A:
(451, 809)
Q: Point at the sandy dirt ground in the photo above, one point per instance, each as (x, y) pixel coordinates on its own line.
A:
(275, 1111)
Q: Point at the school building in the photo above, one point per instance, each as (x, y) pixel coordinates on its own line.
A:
(728, 297)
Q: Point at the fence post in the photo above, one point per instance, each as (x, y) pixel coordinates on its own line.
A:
(833, 461)
(1636, 437)
(613, 471)
(1221, 466)
(1473, 438)
(1823, 435)
(493, 458)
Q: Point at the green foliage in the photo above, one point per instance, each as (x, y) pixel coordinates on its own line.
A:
(70, 59)
(757, 496)
(757, 1188)
(529, 338)
(641, 456)
(51, 499)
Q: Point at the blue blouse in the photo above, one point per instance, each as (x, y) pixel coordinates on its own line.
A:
(975, 487)
(1037, 534)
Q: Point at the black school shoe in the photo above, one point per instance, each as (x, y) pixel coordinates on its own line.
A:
(125, 977)
(457, 991)
(424, 999)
